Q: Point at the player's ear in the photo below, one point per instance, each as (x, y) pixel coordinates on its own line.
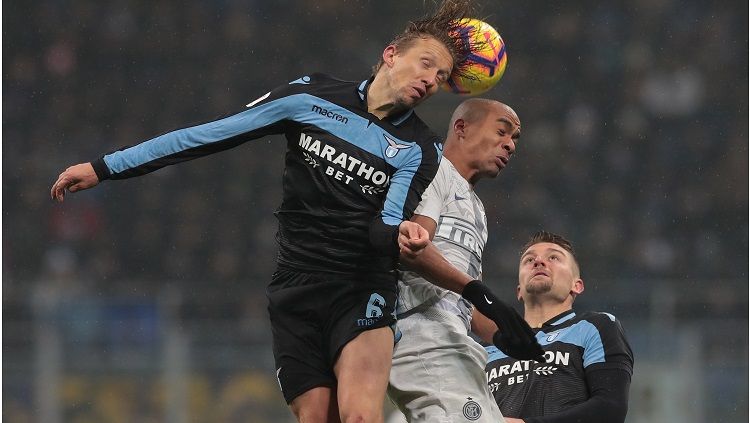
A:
(459, 127)
(518, 293)
(578, 287)
(388, 54)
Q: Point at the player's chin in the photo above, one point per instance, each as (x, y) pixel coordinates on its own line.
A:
(492, 171)
(412, 101)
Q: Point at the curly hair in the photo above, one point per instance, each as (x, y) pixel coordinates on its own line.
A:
(444, 26)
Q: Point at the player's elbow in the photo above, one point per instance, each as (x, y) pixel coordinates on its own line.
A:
(384, 237)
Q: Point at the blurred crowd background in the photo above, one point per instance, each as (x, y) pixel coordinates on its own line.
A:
(144, 299)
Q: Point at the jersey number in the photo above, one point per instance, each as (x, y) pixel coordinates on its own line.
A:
(374, 306)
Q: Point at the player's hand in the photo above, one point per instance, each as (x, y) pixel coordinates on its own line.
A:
(412, 238)
(515, 336)
(73, 179)
(513, 420)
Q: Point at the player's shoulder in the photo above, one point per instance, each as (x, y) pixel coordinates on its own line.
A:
(415, 123)
(449, 176)
(599, 319)
(446, 169)
(317, 81)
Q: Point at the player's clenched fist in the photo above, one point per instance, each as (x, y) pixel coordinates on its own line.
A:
(412, 238)
(74, 178)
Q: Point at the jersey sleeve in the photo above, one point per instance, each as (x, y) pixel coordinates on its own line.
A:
(408, 183)
(607, 348)
(434, 197)
(608, 403)
(262, 117)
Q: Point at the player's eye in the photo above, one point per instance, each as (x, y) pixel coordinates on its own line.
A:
(554, 257)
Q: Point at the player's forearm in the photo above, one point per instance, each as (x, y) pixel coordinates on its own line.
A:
(431, 265)
(483, 326)
(608, 402)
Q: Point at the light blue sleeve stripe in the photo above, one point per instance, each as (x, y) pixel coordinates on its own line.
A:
(196, 136)
(582, 334)
(594, 349)
(300, 108)
(393, 209)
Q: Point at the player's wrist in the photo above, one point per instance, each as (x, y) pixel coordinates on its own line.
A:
(101, 169)
(475, 291)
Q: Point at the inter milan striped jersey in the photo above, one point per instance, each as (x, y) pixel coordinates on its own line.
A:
(460, 235)
(350, 177)
(573, 345)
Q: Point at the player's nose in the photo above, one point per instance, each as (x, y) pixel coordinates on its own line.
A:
(509, 146)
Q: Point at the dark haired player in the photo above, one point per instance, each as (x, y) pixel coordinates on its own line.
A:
(585, 376)
(438, 369)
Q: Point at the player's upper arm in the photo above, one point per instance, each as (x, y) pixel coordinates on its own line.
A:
(607, 347)
(426, 222)
(408, 183)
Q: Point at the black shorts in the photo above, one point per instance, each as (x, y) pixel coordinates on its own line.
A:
(314, 315)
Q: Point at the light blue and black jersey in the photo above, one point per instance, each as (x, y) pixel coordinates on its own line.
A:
(576, 347)
(350, 178)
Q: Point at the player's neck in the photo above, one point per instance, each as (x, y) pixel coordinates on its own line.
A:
(379, 101)
(536, 314)
(461, 167)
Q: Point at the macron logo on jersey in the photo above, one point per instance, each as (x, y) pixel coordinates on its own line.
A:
(329, 114)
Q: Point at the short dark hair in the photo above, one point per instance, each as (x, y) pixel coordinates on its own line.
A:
(443, 25)
(544, 236)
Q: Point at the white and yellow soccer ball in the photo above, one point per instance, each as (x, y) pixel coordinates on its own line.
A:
(485, 64)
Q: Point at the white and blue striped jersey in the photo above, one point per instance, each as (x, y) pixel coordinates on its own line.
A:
(461, 235)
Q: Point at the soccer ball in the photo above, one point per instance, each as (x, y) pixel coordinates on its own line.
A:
(486, 63)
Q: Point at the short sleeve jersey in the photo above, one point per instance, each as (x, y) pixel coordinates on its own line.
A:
(573, 345)
(460, 235)
(346, 170)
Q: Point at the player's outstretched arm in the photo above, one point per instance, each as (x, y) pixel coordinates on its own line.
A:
(73, 179)
(515, 337)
